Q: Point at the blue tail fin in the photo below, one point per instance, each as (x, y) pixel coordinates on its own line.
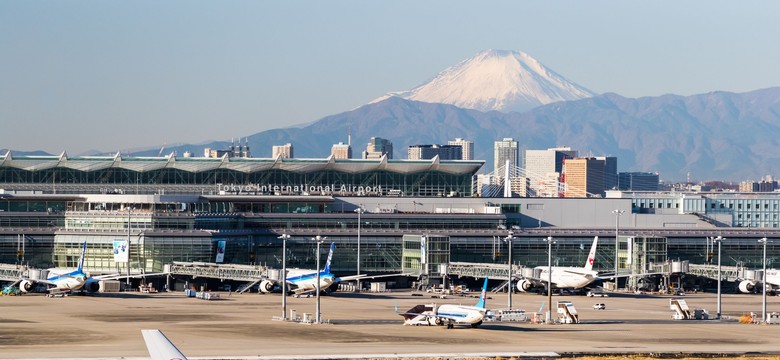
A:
(81, 258)
(482, 296)
(326, 270)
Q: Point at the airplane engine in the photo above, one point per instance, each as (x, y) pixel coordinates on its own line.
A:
(747, 286)
(266, 286)
(26, 286)
(91, 286)
(524, 285)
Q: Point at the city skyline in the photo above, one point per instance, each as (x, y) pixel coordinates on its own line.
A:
(118, 76)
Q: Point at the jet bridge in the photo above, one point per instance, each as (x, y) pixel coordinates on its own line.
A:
(11, 272)
(729, 273)
(482, 270)
(249, 273)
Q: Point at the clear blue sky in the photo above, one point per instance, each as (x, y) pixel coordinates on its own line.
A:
(113, 75)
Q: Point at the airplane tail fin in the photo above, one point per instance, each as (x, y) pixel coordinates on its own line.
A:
(81, 258)
(591, 255)
(159, 346)
(483, 295)
(326, 270)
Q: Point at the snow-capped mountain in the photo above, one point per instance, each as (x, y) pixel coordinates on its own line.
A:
(499, 80)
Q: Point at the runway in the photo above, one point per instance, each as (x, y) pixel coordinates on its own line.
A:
(241, 326)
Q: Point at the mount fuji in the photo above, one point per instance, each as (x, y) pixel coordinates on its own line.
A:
(500, 80)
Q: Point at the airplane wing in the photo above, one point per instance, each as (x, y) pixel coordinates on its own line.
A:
(16, 281)
(125, 276)
(612, 276)
(360, 277)
(160, 348)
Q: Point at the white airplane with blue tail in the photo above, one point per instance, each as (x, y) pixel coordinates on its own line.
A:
(450, 314)
(302, 281)
(62, 283)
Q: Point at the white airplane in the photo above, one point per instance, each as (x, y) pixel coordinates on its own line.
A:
(76, 280)
(450, 314)
(59, 283)
(160, 348)
(301, 281)
(772, 283)
(566, 277)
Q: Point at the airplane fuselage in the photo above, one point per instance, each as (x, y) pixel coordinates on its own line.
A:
(464, 315)
(568, 277)
(71, 281)
(302, 280)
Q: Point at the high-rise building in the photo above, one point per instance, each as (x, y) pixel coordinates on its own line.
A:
(503, 151)
(584, 177)
(610, 171)
(285, 151)
(468, 147)
(543, 169)
(341, 151)
(377, 147)
(424, 152)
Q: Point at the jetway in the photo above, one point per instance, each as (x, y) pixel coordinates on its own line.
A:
(249, 273)
(11, 272)
(729, 273)
(482, 270)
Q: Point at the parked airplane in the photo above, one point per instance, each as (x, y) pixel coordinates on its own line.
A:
(76, 280)
(160, 347)
(450, 314)
(772, 283)
(566, 277)
(59, 283)
(301, 281)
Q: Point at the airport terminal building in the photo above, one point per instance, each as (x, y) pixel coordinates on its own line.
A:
(185, 209)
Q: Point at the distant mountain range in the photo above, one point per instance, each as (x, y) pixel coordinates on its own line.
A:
(718, 135)
(713, 136)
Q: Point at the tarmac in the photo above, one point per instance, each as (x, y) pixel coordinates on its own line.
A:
(366, 325)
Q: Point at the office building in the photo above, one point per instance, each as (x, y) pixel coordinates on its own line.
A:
(543, 169)
(610, 171)
(378, 147)
(638, 181)
(584, 177)
(341, 151)
(504, 151)
(427, 152)
(284, 151)
(468, 147)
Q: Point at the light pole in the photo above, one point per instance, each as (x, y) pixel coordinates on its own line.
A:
(359, 212)
(509, 239)
(549, 241)
(718, 240)
(617, 242)
(129, 225)
(319, 240)
(763, 282)
(283, 280)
